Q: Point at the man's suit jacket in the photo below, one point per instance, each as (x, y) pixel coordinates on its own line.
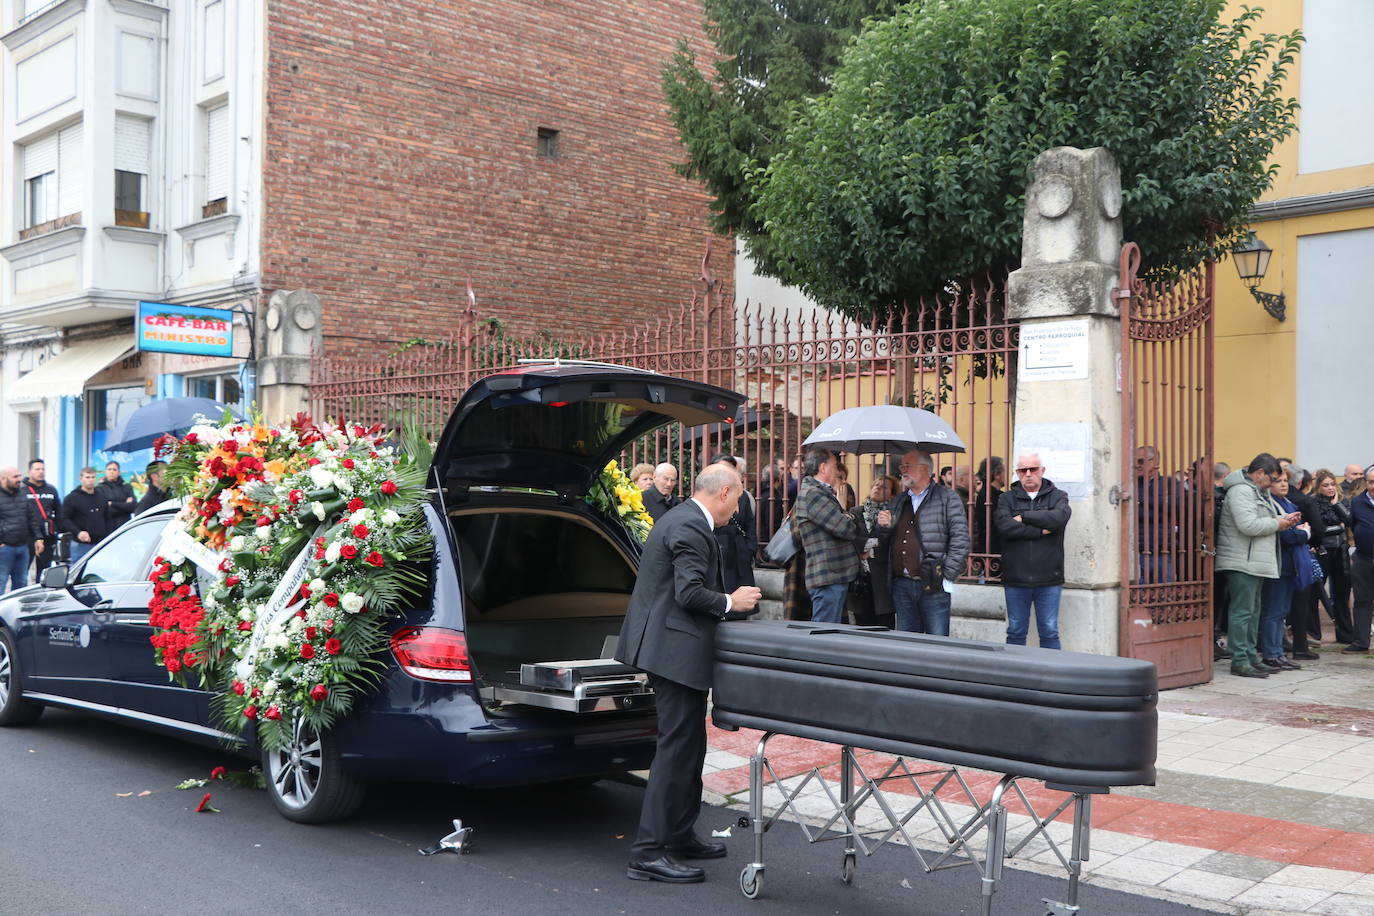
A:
(670, 628)
(657, 505)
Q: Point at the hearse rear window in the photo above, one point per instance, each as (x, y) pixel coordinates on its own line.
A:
(508, 556)
(584, 428)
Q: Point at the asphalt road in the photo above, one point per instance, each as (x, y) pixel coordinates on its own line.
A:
(70, 844)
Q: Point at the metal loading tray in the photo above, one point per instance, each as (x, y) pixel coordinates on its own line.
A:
(578, 686)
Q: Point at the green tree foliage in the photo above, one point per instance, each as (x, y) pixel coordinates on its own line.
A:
(912, 169)
(773, 53)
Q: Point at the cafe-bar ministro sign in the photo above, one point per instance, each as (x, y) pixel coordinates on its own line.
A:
(165, 328)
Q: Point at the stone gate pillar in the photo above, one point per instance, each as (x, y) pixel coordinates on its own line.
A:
(1068, 401)
(290, 334)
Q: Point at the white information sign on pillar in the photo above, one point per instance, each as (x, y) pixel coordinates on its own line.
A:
(1053, 351)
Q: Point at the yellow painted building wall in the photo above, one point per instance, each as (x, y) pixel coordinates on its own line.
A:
(1256, 356)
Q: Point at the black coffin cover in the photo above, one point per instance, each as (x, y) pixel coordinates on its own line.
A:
(1065, 717)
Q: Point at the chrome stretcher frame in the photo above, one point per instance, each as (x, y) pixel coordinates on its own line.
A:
(990, 816)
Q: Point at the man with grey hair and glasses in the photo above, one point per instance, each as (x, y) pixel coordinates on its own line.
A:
(925, 536)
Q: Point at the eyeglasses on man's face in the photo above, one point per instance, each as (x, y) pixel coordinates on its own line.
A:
(1027, 470)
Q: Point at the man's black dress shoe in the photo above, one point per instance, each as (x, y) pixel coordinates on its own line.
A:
(699, 849)
(665, 868)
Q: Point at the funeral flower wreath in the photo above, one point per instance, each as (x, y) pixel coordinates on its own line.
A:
(305, 540)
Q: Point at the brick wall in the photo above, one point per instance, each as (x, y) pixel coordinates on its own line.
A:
(401, 158)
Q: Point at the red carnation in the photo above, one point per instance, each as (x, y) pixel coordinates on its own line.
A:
(360, 531)
(251, 712)
(273, 713)
(331, 599)
(333, 646)
(348, 464)
(375, 559)
(295, 496)
(310, 633)
(189, 659)
(245, 625)
(319, 554)
(319, 541)
(240, 687)
(192, 438)
(319, 692)
(355, 504)
(256, 693)
(313, 461)
(388, 487)
(217, 773)
(232, 580)
(205, 802)
(264, 521)
(307, 651)
(226, 564)
(358, 431)
(348, 552)
(305, 591)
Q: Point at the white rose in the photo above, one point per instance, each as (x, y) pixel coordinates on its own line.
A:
(360, 517)
(174, 558)
(331, 553)
(351, 602)
(246, 614)
(297, 625)
(390, 517)
(320, 476)
(236, 544)
(317, 586)
(343, 484)
(317, 508)
(178, 577)
(209, 601)
(269, 688)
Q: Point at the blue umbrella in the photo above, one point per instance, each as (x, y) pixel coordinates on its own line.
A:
(169, 415)
(885, 428)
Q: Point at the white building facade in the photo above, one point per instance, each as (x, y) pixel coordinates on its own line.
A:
(132, 131)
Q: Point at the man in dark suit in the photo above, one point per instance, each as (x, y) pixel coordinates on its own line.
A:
(659, 498)
(669, 632)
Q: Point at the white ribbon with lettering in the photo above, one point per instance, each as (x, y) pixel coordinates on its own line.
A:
(279, 608)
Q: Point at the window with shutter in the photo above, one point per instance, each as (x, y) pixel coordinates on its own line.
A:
(131, 154)
(69, 170)
(40, 181)
(216, 160)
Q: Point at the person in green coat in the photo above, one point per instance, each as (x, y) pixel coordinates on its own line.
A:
(1248, 553)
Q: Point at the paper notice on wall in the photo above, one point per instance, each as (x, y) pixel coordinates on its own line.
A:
(1053, 351)
(1065, 451)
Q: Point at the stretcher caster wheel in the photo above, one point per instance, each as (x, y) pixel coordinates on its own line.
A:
(751, 881)
(744, 823)
(847, 868)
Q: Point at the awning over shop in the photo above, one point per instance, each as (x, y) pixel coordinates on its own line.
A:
(67, 372)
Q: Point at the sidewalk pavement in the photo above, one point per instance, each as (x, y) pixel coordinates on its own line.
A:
(1264, 802)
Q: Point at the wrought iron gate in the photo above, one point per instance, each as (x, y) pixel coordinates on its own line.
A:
(1168, 538)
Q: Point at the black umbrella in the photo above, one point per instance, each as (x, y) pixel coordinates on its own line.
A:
(168, 415)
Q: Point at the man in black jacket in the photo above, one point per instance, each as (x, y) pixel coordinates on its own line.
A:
(49, 508)
(155, 495)
(670, 632)
(1031, 517)
(659, 498)
(86, 516)
(118, 494)
(18, 529)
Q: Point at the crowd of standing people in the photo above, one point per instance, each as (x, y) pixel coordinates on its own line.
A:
(1290, 545)
(38, 527)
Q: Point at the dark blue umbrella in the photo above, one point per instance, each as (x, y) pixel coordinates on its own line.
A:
(168, 415)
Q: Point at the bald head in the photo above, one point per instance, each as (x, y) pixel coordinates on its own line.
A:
(718, 488)
(9, 477)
